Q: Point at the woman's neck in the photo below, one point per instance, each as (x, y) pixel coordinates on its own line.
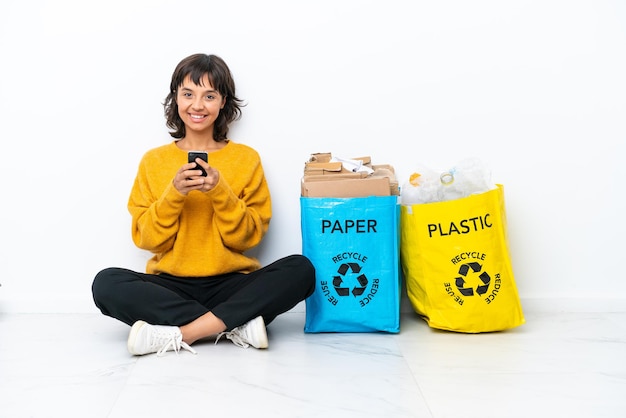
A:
(199, 143)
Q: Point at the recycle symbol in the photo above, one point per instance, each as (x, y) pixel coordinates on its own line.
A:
(461, 284)
(338, 281)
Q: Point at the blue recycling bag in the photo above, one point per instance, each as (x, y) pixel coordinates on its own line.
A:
(354, 245)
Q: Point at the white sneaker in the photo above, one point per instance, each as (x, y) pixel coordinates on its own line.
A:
(252, 333)
(145, 339)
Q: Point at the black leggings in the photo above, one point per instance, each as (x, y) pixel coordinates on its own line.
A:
(235, 298)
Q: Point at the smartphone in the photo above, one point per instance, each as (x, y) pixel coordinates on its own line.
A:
(191, 158)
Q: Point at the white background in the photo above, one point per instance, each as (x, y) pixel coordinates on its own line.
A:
(536, 89)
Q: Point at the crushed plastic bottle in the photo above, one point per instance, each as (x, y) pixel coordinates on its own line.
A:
(422, 187)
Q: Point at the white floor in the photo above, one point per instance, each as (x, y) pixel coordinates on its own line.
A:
(556, 365)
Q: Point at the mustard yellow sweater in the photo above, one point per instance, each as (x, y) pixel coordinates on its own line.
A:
(201, 234)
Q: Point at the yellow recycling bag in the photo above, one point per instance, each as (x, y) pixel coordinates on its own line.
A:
(456, 263)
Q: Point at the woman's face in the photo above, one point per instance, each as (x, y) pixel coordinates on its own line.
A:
(199, 105)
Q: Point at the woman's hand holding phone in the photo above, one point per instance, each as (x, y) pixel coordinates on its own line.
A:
(196, 174)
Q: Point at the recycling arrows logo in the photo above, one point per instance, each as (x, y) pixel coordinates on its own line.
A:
(475, 269)
(342, 280)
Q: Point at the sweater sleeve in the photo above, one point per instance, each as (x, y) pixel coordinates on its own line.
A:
(155, 218)
(243, 220)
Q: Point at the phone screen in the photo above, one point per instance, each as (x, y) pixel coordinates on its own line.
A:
(192, 155)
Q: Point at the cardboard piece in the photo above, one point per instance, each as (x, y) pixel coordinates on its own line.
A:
(351, 187)
(323, 168)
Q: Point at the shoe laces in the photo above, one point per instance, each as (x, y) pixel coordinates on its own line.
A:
(235, 336)
(170, 341)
